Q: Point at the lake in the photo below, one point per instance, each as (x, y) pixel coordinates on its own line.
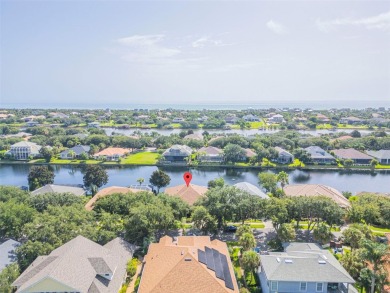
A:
(354, 182)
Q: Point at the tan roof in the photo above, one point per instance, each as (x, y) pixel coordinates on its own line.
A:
(344, 137)
(189, 194)
(351, 154)
(112, 151)
(174, 267)
(316, 190)
(108, 191)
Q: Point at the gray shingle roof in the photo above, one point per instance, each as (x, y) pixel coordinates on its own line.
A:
(178, 150)
(252, 189)
(49, 188)
(78, 150)
(7, 253)
(318, 153)
(77, 265)
(382, 154)
(309, 265)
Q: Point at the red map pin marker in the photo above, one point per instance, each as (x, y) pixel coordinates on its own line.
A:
(187, 178)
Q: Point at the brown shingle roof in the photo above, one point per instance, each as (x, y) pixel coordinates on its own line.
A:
(316, 190)
(189, 194)
(351, 154)
(174, 267)
(108, 191)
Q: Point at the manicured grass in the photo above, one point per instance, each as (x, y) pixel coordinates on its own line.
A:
(348, 126)
(296, 163)
(379, 166)
(256, 124)
(254, 224)
(72, 162)
(143, 158)
(379, 229)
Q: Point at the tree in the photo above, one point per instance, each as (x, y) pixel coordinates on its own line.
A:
(348, 163)
(376, 254)
(322, 233)
(40, 176)
(203, 220)
(353, 263)
(159, 179)
(234, 153)
(13, 217)
(269, 181)
(7, 276)
(285, 233)
(373, 164)
(355, 134)
(302, 155)
(247, 241)
(30, 250)
(243, 229)
(140, 181)
(95, 176)
(282, 177)
(46, 153)
(217, 182)
(250, 261)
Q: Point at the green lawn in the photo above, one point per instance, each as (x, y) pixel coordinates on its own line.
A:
(379, 166)
(254, 224)
(297, 163)
(257, 124)
(72, 162)
(379, 229)
(143, 158)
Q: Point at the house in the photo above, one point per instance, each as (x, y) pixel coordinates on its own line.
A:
(277, 118)
(189, 264)
(249, 154)
(382, 156)
(94, 125)
(210, 154)
(284, 157)
(190, 194)
(303, 267)
(7, 253)
(58, 115)
(24, 149)
(320, 156)
(75, 152)
(50, 188)
(351, 120)
(231, 118)
(195, 136)
(109, 191)
(79, 265)
(317, 190)
(178, 120)
(111, 154)
(32, 123)
(251, 118)
(357, 157)
(177, 153)
(322, 118)
(252, 189)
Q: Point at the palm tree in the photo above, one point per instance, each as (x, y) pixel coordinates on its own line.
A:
(376, 254)
(250, 261)
(247, 241)
(140, 181)
(282, 178)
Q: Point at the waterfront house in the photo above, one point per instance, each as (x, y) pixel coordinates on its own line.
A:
(320, 156)
(277, 118)
(188, 264)
(382, 156)
(7, 253)
(249, 154)
(351, 120)
(75, 152)
(231, 118)
(79, 265)
(94, 125)
(190, 194)
(24, 149)
(317, 190)
(178, 120)
(210, 154)
(322, 118)
(357, 157)
(303, 267)
(251, 118)
(32, 123)
(177, 153)
(252, 189)
(284, 157)
(111, 154)
(50, 188)
(195, 136)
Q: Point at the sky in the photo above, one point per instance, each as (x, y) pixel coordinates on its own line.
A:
(188, 52)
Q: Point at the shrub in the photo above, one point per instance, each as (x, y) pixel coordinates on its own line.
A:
(131, 268)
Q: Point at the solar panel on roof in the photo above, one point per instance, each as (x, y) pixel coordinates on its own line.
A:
(218, 265)
(226, 272)
(202, 256)
(210, 259)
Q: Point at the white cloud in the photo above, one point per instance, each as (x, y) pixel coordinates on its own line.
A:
(379, 22)
(276, 27)
(207, 41)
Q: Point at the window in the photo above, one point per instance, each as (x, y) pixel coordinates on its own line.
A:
(274, 286)
(319, 287)
(303, 286)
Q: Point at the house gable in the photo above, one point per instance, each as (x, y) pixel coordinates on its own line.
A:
(48, 285)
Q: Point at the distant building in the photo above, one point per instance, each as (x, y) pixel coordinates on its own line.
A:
(231, 118)
(50, 188)
(111, 154)
(320, 156)
(7, 253)
(382, 156)
(284, 157)
(177, 153)
(252, 189)
(210, 154)
(24, 149)
(195, 136)
(75, 152)
(94, 125)
(189, 264)
(322, 118)
(351, 120)
(79, 265)
(190, 194)
(177, 120)
(251, 118)
(317, 190)
(357, 157)
(303, 267)
(277, 118)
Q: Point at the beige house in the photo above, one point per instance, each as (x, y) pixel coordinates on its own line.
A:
(79, 265)
(189, 264)
(190, 194)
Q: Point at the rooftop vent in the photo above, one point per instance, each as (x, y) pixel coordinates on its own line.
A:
(278, 259)
(187, 259)
(320, 261)
(288, 261)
